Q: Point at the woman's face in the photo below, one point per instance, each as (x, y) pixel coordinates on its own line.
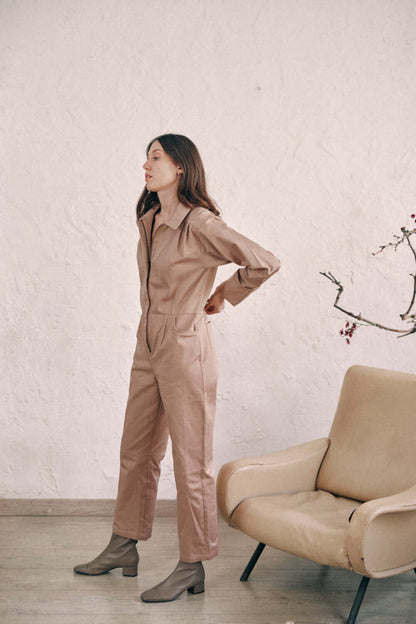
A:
(160, 171)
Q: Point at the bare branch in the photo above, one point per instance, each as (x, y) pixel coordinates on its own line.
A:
(406, 314)
(407, 234)
(409, 318)
(399, 241)
(359, 317)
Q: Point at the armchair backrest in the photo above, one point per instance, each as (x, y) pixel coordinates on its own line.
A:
(372, 450)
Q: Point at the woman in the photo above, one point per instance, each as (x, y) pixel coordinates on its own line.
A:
(174, 373)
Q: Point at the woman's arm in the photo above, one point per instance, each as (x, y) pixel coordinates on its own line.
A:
(227, 245)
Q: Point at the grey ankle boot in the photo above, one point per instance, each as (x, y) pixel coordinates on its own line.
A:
(120, 552)
(190, 576)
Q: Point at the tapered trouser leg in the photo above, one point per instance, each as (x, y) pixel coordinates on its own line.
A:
(172, 390)
(187, 382)
(143, 446)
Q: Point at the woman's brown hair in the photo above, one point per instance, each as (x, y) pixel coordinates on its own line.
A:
(192, 190)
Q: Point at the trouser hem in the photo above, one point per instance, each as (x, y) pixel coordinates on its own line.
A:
(195, 558)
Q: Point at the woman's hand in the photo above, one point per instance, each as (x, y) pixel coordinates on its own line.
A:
(215, 303)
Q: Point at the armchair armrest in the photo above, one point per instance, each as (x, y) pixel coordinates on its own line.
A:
(291, 470)
(382, 535)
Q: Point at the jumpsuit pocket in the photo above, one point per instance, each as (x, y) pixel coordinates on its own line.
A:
(187, 324)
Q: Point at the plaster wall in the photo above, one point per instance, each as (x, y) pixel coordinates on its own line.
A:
(303, 112)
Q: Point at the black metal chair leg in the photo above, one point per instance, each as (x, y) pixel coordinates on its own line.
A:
(358, 600)
(252, 562)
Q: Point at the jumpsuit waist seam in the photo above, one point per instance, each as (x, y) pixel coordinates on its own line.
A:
(175, 313)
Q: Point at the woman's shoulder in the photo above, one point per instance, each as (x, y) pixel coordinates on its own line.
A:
(200, 216)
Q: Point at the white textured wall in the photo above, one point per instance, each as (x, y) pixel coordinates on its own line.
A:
(304, 114)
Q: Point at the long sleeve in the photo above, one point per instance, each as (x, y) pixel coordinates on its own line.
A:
(227, 245)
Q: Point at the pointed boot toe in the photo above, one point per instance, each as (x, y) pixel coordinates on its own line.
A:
(82, 568)
(186, 576)
(121, 552)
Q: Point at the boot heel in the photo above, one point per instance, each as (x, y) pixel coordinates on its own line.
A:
(130, 571)
(198, 588)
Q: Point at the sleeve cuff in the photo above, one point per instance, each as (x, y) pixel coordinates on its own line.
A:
(234, 291)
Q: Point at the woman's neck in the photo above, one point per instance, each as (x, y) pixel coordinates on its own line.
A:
(168, 201)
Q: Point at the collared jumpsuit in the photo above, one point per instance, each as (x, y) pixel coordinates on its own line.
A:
(174, 372)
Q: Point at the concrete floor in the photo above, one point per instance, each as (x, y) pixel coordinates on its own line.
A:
(38, 586)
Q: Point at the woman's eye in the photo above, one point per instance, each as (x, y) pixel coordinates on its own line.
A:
(156, 157)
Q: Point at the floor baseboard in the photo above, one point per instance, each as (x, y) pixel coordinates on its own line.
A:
(72, 507)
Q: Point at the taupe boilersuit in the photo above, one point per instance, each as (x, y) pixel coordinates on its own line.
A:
(174, 373)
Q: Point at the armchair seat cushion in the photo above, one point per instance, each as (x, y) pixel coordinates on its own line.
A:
(313, 524)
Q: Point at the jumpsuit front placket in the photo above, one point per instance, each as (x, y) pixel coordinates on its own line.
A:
(149, 244)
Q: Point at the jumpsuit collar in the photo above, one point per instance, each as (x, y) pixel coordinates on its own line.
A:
(175, 219)
(178, 216)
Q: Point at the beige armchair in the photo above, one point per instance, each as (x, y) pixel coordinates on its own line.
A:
(347, 501)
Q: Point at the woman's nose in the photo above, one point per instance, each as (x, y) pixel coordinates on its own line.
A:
(146, 166)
